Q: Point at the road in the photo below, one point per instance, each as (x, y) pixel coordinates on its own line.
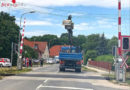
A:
(49, 78)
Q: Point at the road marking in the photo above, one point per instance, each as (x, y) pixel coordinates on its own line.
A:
(71, 88)
(39, 87)
(44, 82)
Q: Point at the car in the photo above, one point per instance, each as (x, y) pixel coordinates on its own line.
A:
(56, 58)
(5, 62)
(50, 61)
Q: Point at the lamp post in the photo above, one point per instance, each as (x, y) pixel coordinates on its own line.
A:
(19, 60)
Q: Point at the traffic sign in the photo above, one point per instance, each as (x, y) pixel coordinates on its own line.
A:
(124, 62)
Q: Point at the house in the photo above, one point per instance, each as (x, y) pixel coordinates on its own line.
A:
(40, 47)
(54, 50)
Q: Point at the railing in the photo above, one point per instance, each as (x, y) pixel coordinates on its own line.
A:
(101, 64)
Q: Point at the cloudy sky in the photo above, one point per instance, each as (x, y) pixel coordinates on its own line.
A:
(89, 16)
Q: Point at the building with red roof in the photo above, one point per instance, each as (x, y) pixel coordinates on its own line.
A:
(40, 47)
(54, 50)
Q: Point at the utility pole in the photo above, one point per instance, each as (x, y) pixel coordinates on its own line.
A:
(20, 47)
(12, 48)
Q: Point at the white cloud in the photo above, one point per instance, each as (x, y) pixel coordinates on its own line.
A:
(106, 23)
(101, 3)
(82, 26)
(101, 24)
(36, 23)
(76, 14)
(35, 33)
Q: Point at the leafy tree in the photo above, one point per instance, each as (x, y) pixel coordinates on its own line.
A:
(105, 58)
(112, 42)
(64, 35)
(47, 38)
(29, 52)
(92, 41)
(9, 32)
(102, 47)
(91, 54)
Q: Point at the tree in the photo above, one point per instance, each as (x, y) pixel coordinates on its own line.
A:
(102, 47)
(9, 32)
(112, 42)
(92, 41)
(91, 54)
(29, 52)
(47, 38)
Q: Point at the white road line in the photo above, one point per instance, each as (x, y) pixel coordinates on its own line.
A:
(39, 87)
(44, 82)
(71, 88)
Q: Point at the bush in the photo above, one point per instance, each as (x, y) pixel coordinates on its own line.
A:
(105, 58)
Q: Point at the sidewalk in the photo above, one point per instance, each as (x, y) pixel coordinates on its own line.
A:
(38, 67)
(101, 71)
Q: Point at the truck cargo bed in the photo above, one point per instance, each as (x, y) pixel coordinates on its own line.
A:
(70, 56)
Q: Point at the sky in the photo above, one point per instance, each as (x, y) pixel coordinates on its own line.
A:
(89, 16)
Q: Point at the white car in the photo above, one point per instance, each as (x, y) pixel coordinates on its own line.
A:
(5, 62)
(50, 61)
(56, 58)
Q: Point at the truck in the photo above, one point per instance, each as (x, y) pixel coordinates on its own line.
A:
(70, 58)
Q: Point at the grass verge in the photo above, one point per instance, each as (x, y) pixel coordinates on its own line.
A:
(4, 71)
(113, 79)
(87, 69)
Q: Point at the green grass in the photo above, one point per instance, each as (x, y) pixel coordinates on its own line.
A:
(128, 81)
(112, 78)
(105, 58)
(87, 69)
(8, 71)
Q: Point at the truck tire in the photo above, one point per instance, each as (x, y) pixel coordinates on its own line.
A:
(62, 69)
(78, 70)
(1, 65)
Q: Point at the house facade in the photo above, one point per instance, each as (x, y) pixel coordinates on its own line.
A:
(40, 47)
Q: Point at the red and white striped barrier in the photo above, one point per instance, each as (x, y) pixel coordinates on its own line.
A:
(119, 27)
(21, 45)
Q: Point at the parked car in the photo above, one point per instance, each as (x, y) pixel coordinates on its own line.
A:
(57, 59)
(5, 62)
(50, 61)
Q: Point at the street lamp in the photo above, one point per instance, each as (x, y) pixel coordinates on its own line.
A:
(19, 61)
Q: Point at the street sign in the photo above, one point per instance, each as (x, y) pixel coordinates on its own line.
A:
(124, 62)
(67, 22)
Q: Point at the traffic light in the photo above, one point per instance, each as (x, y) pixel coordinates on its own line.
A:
(125, 43)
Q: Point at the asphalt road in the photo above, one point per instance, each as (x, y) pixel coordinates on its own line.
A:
(49, 78)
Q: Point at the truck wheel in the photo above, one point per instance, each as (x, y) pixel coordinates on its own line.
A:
(78, 70)
(1, 65)
(62, 69)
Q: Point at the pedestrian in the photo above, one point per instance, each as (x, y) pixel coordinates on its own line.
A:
(30, 62)
(41, 62)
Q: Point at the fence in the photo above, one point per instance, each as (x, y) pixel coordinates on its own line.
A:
(101, 64)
